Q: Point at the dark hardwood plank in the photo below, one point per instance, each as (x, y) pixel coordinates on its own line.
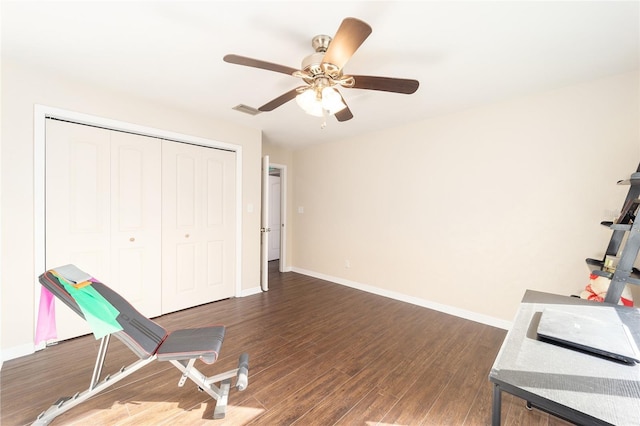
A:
(370, 409)
(444, 363)
(454, 402)
(320, 354)
(294, 406)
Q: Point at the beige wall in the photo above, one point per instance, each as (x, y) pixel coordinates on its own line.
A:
(466, 211)
(22, 88)
(284, 156)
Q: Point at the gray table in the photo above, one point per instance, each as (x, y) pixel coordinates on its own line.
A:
(575, 386)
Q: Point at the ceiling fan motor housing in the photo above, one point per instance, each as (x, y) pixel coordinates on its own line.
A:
(312, 63)
(320, 43)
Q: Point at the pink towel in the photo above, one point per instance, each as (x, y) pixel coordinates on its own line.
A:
(46, 327)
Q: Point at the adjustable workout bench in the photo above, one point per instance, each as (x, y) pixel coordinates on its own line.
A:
(148, 340)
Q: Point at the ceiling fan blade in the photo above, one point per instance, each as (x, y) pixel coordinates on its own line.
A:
(351, 34)
(256, 63)
(344, 114)
(280, 100)
(386, 84)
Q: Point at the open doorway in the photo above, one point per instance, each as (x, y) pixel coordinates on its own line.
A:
(274, 214)
(273, 228)
(277, 214)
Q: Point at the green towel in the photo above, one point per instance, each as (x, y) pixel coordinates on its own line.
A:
(99, 313)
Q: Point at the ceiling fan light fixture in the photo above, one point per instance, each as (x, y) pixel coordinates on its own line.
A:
(332, 101)
(317, 103)
(309, 102)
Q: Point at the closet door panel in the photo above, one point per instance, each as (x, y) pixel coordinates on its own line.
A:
(187, 195)
(103, 213)
(181, 172)
(130, 272)
(214, 192)
(77, 199)
(195, 196)
(186, 269)
(77, 207)
(136, 220)
(187, 188)
(214, 223)
(219, 226)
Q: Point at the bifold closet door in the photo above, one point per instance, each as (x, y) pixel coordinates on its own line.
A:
(102, 213)
(136, 223)
(198, 225)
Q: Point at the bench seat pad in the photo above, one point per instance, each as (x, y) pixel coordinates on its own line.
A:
(203, 343)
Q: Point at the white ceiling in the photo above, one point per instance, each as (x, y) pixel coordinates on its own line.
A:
(463, 53)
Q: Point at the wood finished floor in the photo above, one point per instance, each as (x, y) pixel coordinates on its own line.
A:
(320, 354)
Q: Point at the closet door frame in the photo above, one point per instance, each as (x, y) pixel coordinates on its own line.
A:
(42, 112)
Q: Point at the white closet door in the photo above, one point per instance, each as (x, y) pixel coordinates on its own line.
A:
(77, 207)
(136, 240)
(103, 202)
(198, 232)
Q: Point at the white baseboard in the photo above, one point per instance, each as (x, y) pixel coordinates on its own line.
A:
(451, 310)
(17, 352)
(250, 291)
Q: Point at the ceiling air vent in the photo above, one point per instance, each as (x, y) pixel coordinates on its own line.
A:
(246, 109)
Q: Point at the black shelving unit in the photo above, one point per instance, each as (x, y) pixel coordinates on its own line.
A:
(626, 225)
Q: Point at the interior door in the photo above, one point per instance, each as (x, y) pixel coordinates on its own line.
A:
(264, 226)
(198, 225)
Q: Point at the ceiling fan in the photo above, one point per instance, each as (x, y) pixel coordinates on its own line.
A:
(322, 73)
